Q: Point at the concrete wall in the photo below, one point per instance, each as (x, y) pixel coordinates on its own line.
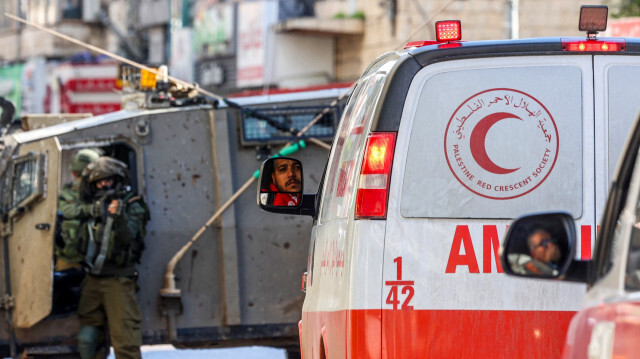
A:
(303, 60)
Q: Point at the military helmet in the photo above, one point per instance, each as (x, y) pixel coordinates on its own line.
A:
(105, 167)
(82, 158)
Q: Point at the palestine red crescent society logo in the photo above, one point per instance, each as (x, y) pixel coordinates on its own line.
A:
(467, 141)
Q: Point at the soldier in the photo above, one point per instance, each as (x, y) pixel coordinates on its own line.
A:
(114, 242)
(73, 211)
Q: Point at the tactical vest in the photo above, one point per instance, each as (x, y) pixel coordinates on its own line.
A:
(107, 251)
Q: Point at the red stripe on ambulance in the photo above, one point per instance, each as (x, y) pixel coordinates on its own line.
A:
(387, 334)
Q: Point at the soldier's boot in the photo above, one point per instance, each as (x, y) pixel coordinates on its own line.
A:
(88, 341)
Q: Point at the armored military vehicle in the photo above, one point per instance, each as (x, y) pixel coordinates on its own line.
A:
(238, 284)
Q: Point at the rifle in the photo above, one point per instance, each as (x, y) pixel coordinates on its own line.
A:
(95, 266)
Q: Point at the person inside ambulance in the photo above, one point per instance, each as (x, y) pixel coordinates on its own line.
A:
(545, 253)
(285, 188)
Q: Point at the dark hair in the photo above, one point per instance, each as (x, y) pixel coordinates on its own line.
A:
(267, 172)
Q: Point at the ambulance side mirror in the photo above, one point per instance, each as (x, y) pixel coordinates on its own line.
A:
(280, 183)
(539, 246)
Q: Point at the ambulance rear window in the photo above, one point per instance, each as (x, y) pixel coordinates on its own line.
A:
(496, 143)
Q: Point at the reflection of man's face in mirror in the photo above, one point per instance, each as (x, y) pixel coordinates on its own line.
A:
(543, 248)
(286, 175)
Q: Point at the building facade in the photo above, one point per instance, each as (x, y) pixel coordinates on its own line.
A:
(230, 46)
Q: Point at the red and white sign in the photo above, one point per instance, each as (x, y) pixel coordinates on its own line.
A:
(84, 88)
(255, 37)
(488, 119)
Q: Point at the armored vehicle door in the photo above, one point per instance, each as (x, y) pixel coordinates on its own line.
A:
(30, 201)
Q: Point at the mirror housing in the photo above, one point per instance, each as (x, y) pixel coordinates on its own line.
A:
(542, 246)
(280, 186)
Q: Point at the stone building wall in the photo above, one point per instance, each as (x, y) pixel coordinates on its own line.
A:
(481, 20)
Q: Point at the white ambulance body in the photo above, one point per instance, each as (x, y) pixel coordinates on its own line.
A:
(438, 148)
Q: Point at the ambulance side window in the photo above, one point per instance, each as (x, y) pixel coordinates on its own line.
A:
(341, 177)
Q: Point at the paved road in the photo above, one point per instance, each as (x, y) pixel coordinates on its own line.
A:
(168, 352)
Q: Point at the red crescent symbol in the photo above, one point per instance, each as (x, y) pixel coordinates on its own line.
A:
(478, 138)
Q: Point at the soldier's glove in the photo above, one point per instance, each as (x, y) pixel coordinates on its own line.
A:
(115, 207)
(97, 209)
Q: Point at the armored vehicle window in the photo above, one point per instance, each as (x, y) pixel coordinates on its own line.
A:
(267, 125)
(26, 181)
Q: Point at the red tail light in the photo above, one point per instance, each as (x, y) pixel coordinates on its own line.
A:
(593, 45)
(375, 175)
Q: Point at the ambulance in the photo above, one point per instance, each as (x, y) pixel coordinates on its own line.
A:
(439, 147)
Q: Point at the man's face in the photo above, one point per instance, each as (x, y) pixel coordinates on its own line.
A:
(286, 175)
(104, 183)
(544, 248)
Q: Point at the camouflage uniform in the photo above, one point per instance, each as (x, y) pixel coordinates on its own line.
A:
(73, 212)
(114, 244)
